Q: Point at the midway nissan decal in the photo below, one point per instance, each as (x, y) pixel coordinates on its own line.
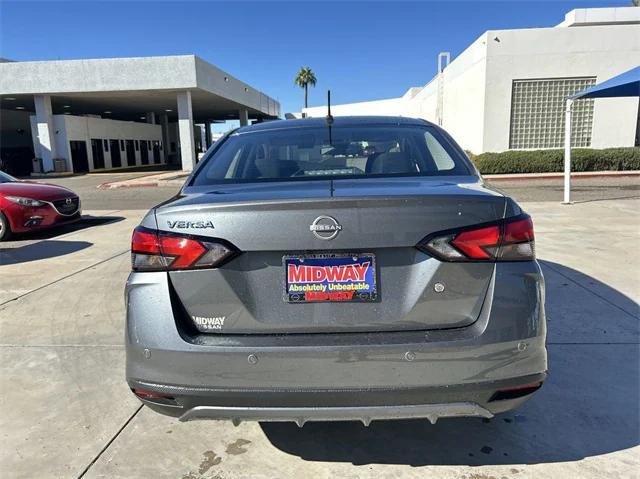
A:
(330, 277)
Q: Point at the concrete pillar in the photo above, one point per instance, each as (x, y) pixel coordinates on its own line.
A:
(164, 124)
(207, 133)
(244, 117)
(34, 136)
(46, 139)
(185, 131)
(150, 117)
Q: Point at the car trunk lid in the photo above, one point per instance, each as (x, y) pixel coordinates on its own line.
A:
(384, 218)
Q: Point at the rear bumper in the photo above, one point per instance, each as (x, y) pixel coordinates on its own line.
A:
(360, 376)
(365, 405)
(365, 414)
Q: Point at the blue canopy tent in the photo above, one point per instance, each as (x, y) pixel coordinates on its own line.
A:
(626, 84)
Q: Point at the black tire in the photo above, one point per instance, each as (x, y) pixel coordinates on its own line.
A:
(5, 228)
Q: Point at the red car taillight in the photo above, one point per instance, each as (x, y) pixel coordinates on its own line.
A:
(153, 250)
(508, 240)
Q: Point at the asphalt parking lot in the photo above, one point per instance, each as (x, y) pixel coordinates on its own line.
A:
(66, 410)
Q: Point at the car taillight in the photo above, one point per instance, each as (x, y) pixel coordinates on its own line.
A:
(153, 250)
(518, 242)
(508, 240)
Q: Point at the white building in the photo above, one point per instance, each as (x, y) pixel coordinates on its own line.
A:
(507, 89)
(92, 115)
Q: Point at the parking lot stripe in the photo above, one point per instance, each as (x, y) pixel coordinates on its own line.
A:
(106, 446)
(65, 277)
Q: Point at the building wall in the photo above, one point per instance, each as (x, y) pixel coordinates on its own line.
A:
(463, 102)
(81, 128)
(105, 74)
(215, 80)
(463, 99)
(390, 107)
(600, 51)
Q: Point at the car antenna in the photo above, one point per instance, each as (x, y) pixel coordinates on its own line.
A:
(329, 118)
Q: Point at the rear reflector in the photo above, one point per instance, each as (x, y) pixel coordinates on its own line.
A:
(507, 240)
(153, 250)
(155, 397)
(516, 392)
(145, 394)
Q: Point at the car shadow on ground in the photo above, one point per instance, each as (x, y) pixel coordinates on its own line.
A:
(589, 405)
(87, 221)
(43, 244)
(40, 250)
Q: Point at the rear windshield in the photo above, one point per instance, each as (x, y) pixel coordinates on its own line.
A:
(345, 152)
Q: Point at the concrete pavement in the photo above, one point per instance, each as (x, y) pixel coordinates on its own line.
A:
(67, 412)
(115, 199)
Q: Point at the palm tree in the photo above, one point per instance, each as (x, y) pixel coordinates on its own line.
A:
(304, 78)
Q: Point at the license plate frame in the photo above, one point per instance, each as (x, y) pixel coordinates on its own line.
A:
(339, 294)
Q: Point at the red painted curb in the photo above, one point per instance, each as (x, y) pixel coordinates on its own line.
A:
(113, 186)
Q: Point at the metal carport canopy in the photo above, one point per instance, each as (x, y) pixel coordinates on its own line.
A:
(626, 84)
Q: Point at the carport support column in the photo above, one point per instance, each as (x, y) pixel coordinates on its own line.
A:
(567, 152)
(185, 131)
(244, 117)
(46, 138)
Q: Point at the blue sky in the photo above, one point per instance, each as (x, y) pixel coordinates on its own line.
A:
(360, 50)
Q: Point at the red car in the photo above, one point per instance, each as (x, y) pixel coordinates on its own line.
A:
(29, 206)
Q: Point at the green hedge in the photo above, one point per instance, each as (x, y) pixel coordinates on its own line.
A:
(549, 161)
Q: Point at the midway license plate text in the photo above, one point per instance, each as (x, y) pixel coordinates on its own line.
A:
(330, 277)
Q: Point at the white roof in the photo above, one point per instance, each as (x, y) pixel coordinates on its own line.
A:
(142, 82)
(601, 16)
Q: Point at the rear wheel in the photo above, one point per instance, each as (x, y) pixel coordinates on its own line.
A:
(5, 229)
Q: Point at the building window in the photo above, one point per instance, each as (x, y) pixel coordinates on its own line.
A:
(98, 153)
(137, 145)
(106, 145)
(121, 145)
(149, 145)
(537, 113)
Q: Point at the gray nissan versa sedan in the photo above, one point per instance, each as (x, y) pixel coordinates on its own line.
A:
(355, 268)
